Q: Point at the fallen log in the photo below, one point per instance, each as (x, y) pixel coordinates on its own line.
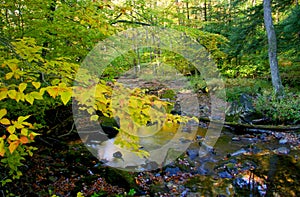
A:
(284, 128)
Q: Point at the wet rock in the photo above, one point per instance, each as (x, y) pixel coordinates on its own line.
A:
(242, 111)
(236, 139)
(246, 102)
(202, 170)
(150, 165)
(172, 171)
(278, 135)
(184, 140)
(225, 174)
(240, 182)
(199, 137)
(282, 150)
(205, 149)
(239, 152)
(263, 137)
(192, 153)
(184, 193)
(283, 141)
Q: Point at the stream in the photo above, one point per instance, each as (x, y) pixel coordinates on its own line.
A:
(249, 164)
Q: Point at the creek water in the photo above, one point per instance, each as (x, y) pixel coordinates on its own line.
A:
(238, 164)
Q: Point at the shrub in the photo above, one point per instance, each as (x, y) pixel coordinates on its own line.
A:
(282, 111)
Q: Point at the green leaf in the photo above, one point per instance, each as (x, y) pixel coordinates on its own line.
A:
(55, 82)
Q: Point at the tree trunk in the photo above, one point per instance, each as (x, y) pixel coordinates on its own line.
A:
(205, 11)
(272, 42)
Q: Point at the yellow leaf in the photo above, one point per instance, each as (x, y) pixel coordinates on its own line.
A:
(100, 89)
(3, 93)
(24, 131)
(18, 125)
(3, 112)
(37, 85)
(19, 95)
(90, 110)
(2, 150)
(53, 91)
(13, 66)
(94, 117)
(12, 94)
(22, 86)
(29, 98)
(9, 75)
(28, 124)
(33, 134)
(13, 137)
(65, 97)
(62, 85)
(11, 129)
(42, 90)
(37, 95)
(22, 97)
(5, 121)
(13, 146)
(22, 118)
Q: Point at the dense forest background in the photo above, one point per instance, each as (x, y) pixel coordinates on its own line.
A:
(43, 43)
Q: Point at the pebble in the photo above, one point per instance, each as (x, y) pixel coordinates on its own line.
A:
(282, 150)
(278, 135)
(283, 141)
(236, 139)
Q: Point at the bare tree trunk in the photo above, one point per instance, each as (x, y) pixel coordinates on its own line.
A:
(272, 42)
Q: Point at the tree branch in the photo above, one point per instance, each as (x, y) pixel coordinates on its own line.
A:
(130, 22)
